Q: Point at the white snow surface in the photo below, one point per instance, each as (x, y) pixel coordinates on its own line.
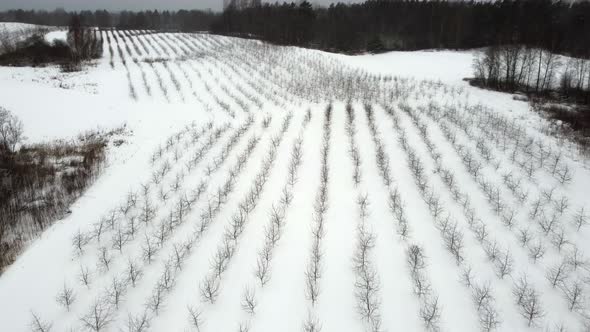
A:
(174, 91)
(55, 36)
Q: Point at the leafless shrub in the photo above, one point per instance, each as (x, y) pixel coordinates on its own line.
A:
(195, 318)
(576, 258)
(489, 319)
(249, 302)
(574, 293)
(430, 313)
(134, 272)
(312, 324)
(84, 276)
(148, 212)
(531, 308)
(120, 238)
(40, 325)
(416, 259)
(104, 259)
(139, 323)
(528, 300)
(244, 327)
(155, 301)
(262, 271)
(79, 241)
(467, 276)
(491, 249)
(558, 274)
(561, 204)
(149, 249)
(559, 239)
(313, 274)
(580, 219)
(115, 291)
(99, 316)
(99, 229)
(524, 236)
(111, 219)
(66, 297)
(482, 295)
(508, 218)
(504, 264)
(537, 251)
(210, 289)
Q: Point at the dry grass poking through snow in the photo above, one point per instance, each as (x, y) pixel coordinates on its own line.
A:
(316, 197)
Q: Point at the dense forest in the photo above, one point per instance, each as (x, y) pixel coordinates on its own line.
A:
(409, 24)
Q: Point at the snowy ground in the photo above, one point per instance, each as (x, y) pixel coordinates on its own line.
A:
(252, 195)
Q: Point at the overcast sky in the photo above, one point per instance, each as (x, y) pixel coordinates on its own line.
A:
(125, 4)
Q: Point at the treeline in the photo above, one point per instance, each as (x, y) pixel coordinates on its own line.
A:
(408, 24)
(183, 20)
(557, 26)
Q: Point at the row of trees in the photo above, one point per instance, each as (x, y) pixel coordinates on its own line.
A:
(185, 20)
(408, 24)
(533, 70)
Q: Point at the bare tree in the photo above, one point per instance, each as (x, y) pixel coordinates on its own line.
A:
(210, 289)
(536, 251)
(576, 258)
(99, 316)
(84, 276)
(559, 239)
(104, 259)
(531, 308)
(520, 289)
(195, 318)
(79, 241)
(467, 276)
(574, 294)
(416, 259)
(505, 265)
(99, 229)
(120, 238)
(580, 218)
(66, 297)
(155, 301)
(11, 130)
(249, 300)
(524, 236)
(40, 325)
(312, 324)
(148, 211)
(115, 292)
(430, 312)
(489, 319)
(557, 275)
(138, 323)
(244, 327)
(482, 295)
(149, 249)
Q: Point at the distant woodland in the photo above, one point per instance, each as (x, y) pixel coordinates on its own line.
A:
(560, 27)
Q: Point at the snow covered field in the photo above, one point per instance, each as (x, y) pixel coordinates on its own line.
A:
(271, 188)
